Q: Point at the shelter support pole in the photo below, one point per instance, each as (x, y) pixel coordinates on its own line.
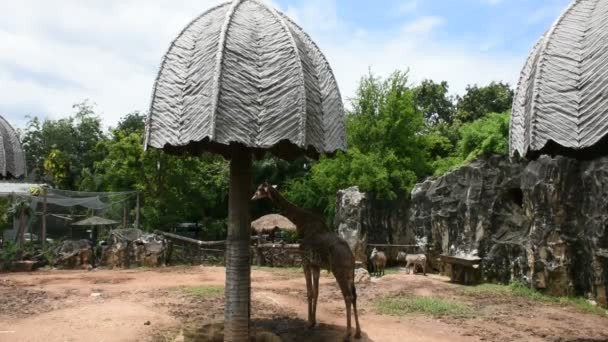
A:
(44, 209)
(238, 268)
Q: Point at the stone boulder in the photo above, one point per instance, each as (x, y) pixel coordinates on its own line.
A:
(72, 254)
(133, 248)
(362, 276)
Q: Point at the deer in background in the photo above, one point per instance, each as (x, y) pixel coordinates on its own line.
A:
(320, 248)
(378, 259)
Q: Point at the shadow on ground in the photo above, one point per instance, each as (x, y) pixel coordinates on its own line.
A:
(280, 329)
(296, 330)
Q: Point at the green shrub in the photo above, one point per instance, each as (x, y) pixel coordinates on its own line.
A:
(8, 252)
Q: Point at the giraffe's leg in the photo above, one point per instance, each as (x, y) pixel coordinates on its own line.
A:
(345, 286)
(316, 271)
(358, 327)
(309, 293)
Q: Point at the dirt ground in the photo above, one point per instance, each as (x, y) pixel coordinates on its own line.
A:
(152, 305)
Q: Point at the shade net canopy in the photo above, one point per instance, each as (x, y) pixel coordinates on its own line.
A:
(560, 102)
(244, 73)
(95, 221)
(69, 213)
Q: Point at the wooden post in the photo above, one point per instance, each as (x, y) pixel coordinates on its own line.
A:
(137, 211)
(21, 232)
(238, 267)
(44, 208)
(94, 237)
(124, 216)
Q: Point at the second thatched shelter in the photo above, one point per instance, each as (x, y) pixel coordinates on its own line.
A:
(272, 222)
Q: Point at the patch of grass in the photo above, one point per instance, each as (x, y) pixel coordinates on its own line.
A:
(487, 289)
(204, 292)
(391, 270)
(278, 269)
(400, 306)
(520, 290)
(583, 305)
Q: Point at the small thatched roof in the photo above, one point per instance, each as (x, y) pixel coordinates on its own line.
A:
(245, 73)
(95, 221)
(269, 222)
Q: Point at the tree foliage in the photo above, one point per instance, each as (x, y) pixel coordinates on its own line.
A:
(397, 134)
(497, 97)
(433, 100)
(386, 153)
(59, 150)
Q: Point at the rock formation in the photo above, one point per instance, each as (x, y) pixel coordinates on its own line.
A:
(360, 218)
(541, 222)
(73, 254)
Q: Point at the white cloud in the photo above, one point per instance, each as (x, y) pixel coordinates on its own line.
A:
(423, 25)
(56, 53)
(407, 7)
(492, 2)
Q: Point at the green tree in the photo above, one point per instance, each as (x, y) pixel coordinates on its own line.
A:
(497, 97)
(489, 135)
(66, 146)
(386, 154)
(433, 100)
(172, 189)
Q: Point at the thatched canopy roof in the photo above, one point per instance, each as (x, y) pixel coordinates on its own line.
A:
(95, 221)
(270, 222)
(561, 100)
(12, 158)
(244, 73)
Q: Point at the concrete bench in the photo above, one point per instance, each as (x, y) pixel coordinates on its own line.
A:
(462, 270)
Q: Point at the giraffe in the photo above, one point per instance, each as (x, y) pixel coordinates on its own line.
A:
(320, 248)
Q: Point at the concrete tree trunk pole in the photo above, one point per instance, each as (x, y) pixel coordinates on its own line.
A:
(238, 267)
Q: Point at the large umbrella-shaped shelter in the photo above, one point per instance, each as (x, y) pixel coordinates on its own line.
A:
(12, 166)
(239, 80)
(12, 158)
(561, 104)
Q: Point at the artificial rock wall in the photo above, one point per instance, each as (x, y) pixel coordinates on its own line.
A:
(542, 222)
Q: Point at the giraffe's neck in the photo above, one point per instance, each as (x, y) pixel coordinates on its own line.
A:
(298, 216)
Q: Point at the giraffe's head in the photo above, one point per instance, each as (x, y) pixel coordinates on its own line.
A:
(263, 191)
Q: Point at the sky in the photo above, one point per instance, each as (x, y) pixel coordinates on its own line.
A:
(57, 53)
